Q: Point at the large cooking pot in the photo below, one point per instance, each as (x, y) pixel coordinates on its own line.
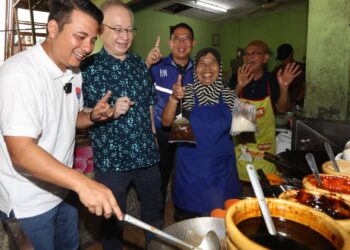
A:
(191, 231)
(311, 219)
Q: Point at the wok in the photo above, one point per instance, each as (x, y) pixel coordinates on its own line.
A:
(293, 163)
(191, 231)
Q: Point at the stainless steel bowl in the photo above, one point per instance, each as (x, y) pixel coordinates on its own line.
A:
(191, 231)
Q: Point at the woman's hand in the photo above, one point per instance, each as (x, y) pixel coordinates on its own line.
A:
(286, 76)
(178, 89)
(169, 111)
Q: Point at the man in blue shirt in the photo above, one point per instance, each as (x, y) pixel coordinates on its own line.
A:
(165, 72)
(125, 151)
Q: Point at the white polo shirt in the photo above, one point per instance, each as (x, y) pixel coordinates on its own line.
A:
(34, 104)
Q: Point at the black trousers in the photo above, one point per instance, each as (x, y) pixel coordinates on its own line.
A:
(167, 158)
(147, 183)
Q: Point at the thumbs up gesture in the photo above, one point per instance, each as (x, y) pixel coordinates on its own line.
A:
(154, 55)
(178, 89)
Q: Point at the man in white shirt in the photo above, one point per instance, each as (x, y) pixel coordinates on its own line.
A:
(41, 105)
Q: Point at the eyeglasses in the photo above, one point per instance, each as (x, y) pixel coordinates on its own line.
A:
(119, 31)
(185, 40)
(253, 54)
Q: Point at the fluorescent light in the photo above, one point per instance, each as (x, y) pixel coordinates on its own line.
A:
(211, 6)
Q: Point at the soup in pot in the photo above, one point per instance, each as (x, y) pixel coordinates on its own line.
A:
(290, 235)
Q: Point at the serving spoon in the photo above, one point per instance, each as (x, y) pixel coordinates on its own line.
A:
(261, 199)
(276, 240)
(312, 164)
(331, 156)
(209, 242)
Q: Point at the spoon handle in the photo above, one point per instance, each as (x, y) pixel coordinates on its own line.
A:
(164, 235)
(261, 199)
(331, 156)
(312, 163)
(266, 183)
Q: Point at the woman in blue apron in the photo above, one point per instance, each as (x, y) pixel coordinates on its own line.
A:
(206, 172)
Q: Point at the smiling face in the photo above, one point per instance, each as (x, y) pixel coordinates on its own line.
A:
(117, 43)
(207, 69)
(255, 57)
(181, 44)
(68, 47)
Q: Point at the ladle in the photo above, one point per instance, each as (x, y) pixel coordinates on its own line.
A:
(261, 199)
(312, 164)
(209, 242)
(266, 183)
(331, 156)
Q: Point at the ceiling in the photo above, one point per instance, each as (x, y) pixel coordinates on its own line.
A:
(237, 9)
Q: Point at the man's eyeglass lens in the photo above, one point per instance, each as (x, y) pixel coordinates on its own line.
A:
(182, 40)
(254, 53)
(120, 31)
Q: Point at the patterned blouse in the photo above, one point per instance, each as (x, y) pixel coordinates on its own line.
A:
(125, 143)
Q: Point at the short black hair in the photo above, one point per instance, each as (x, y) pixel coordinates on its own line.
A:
(206, 51)
(61, 11)
(283, 51)
(181, 25)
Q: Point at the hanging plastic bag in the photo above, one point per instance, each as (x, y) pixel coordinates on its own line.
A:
(181, 131)
(243, 118)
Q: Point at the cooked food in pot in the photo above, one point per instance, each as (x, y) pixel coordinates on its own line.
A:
(335, 207)
(290, 235)
(333, 183)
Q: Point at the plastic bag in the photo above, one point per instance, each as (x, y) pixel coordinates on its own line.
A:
(243, 118)
(181, 131)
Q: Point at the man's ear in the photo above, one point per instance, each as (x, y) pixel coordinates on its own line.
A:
(193, 43)
(266, 58)
(52, 28)
(101, 29)
(169, 43)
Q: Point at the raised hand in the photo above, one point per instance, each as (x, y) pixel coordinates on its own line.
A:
(178, 89)
(122, 106)
(154, 55)
(286, 76)
(102, 111)
(244, 75)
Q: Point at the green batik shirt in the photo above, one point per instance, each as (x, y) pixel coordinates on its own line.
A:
(125, 143)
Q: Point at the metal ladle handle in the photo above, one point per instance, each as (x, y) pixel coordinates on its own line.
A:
(177, 242)
(261, 199)
(331, 156)
(312, 164)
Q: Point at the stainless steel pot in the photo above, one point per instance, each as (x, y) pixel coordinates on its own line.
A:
(191, 231)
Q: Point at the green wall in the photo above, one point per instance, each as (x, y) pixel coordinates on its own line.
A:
(328, 60)
(289, 26)
(275, 28)
(150, 24)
